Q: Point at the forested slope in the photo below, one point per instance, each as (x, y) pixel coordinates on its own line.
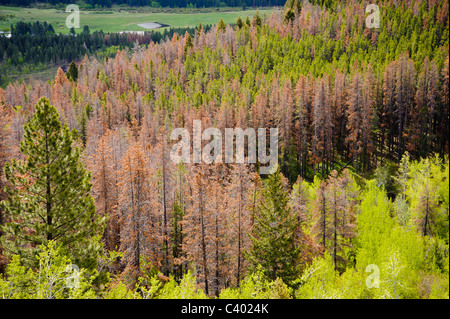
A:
(363, 181)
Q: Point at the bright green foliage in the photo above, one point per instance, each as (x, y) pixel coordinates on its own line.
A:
(272, 239)
(50, 194)
(397, 251)
(427, 192)
(319, 281)
(55, 278)
(156, 289)
(186, 289)
(120, 291)
(374, 224)
(399, 258)
(410, 265)
(256, 286)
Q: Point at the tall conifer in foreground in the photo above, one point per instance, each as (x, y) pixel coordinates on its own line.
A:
(49, 198)
(273, 246)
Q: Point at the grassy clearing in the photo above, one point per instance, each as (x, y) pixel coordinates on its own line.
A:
(120, 20)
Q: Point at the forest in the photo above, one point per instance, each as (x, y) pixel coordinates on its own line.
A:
(34, 45)
(92, 206)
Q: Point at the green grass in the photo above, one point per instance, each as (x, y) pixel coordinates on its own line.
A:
(123, 20)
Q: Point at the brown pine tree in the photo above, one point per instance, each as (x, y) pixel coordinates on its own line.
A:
(387, 118)
(240, 207)
(104, 190)
(334, 216)
(322, 123)
(355, 105)
(321, 228)
(218, 206)
(340, 193)
(284, 121)
(339, 112)
(133, 202)
(162, 196)
(404, 98)
(302, 111)
(369, 95)
(196, 227)
(5, 118)
(299, 203)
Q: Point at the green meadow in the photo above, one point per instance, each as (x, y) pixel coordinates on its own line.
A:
(119, 20)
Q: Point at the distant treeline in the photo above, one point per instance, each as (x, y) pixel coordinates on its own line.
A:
(159, 3)
(37, 42)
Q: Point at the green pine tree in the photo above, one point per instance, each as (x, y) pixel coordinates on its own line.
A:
(289, 15)
(199, 28)
(221, 26)
(239, 23)
(50, 194)
(188, 44)
(257, 19)
(273, 246)
(247, 21)
(72, 73)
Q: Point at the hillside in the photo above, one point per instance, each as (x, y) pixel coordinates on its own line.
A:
(121, 166)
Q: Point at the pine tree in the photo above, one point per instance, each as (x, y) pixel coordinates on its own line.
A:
(388, 118)
(221, 26)
(135, 219)
(273, 246)
(342, 216)
(444, 125)
(423, 191)
(187, 43)
(105, 190)
(355, 104)
(72, 73)
(333, 216)
(239, 190)
(4, 150)
(285, 113)
(49, 198)
(303, 106)
(197, 227)
(177, 238)
(161, 196)
(299, 203)
(339, 110)
(218, 206)
(322, 225)
(178, 212)
(239, 23)
(404, 96)
(322, 125)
